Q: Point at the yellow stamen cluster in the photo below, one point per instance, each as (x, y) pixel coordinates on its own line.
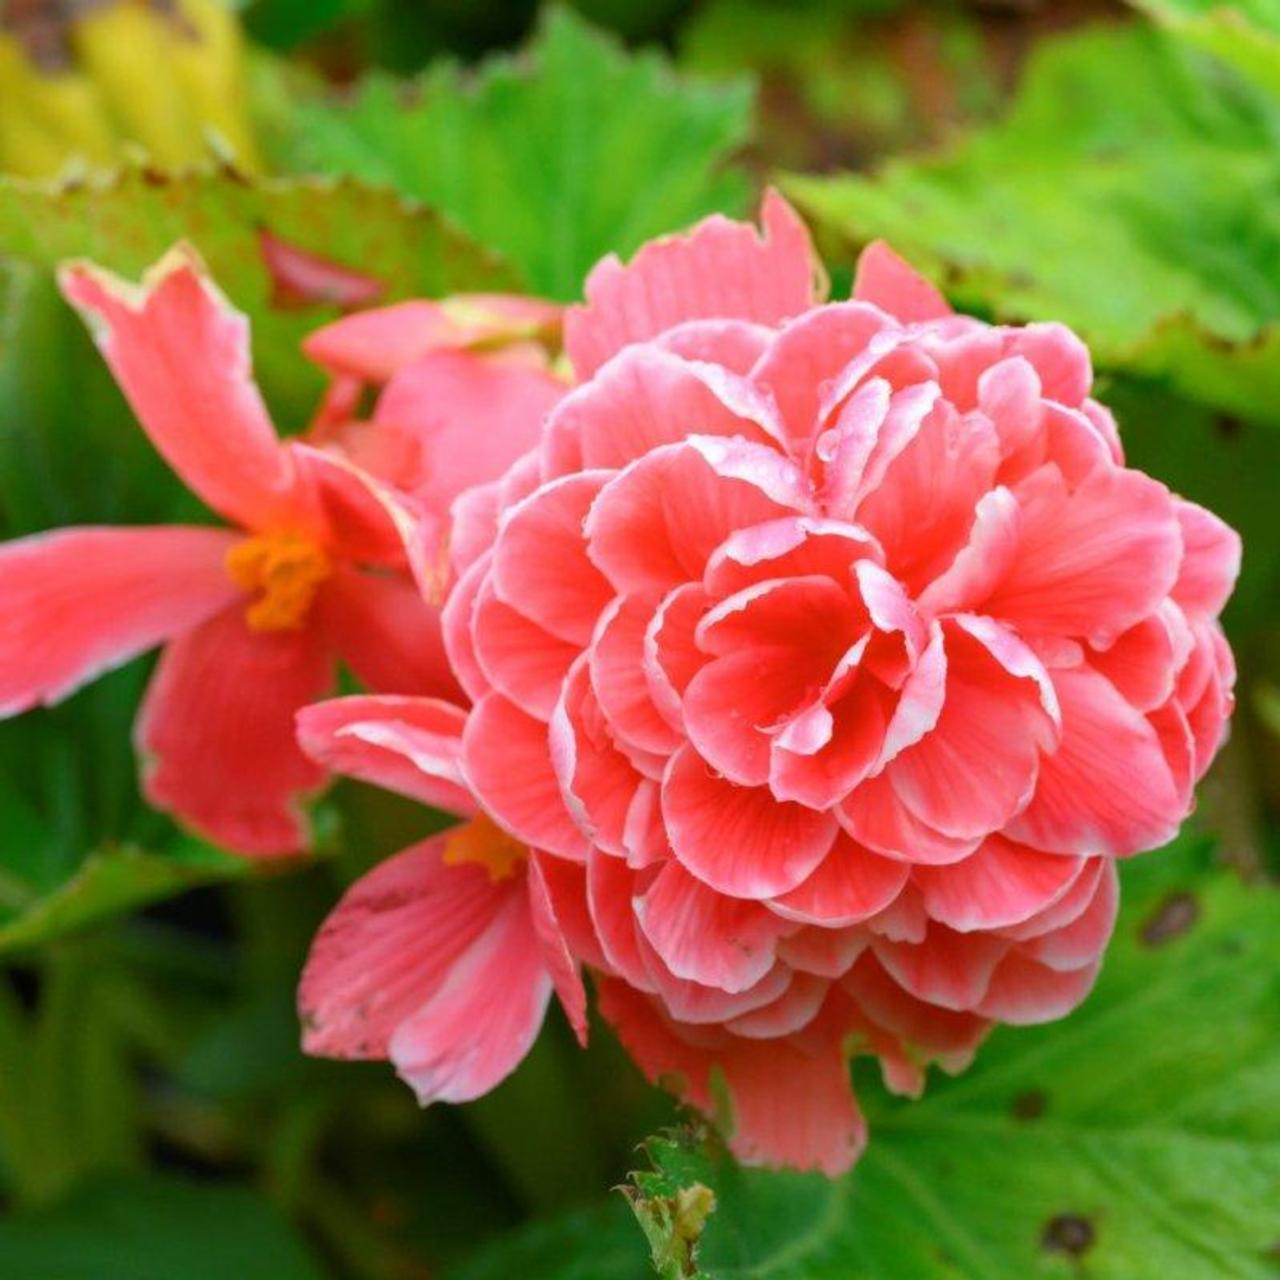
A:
(482, 841)
(285, 570)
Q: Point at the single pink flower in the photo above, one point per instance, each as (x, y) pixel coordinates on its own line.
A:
(252, 617)
(841, 649)
(443, 958)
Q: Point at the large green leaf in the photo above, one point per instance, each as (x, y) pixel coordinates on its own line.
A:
(128, 221)
(554, 158)
(156, 1228)
(109, 881)
(1132, 192)
(1136, 1140)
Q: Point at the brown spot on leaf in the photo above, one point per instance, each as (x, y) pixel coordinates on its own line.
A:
(1030, 1105)
(1068, 1233)
(1171, 919)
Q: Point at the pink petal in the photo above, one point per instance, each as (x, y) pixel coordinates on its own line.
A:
(718, 270)
(556, 954)
(976, 768)
(1092, 562)
(386, 633)
(77, 602)
(356, 515)
(478, 1026)
(180, 353)
(611, 887)
(923, 507)
(216, 732)
(540, 563)
(390, 944)
(597, 782)
(787, 1106)
(1080, 942)
(655, 524)
(999, 884)
(671, 654)
(1210, 560)
(808, 353)
(1108, 787)
(1059, 358)
(822, 951)
(518, 657)
(471, 415)
(565, 884)
(1023, 992)
(888, 281)
(849, 885)
(799, 613)
(507, 762)
(647, 397)
(704, 936)
(874, 816)
(1144, 661)
(412, 746)
(948, 968)
(792, 1011)
(732, 703)
(735, 345)
(375, 345)
(618, 675)
(739, 840)
(822, 755)
(789, 547)
(938, 1032)
(455, 628)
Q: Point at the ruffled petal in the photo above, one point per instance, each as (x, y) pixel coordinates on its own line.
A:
(849, 885)
(739, 840)
(507, 762)
(705, 937)
(655, 524)
(719, 270)
(1108, 788)
(412, 746)
(998, 885)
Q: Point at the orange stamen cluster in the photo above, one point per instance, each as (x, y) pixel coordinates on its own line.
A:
(482, 841)
(285, 571)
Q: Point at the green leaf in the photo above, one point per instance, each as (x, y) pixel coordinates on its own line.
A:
(1245, 33)
(1136, 1140)
(570, 151)
(130, 220)
(110, 881)
(155, 1228)
(1132, 192)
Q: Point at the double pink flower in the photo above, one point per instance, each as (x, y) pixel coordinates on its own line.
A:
(808, 665)
(823, 658)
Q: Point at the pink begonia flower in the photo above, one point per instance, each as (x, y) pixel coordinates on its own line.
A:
(443, 957)
(837, 652)
(253, 618)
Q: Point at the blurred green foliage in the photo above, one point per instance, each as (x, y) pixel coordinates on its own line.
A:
(156, 1115)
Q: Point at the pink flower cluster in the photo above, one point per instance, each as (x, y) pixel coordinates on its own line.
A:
(816, 663)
